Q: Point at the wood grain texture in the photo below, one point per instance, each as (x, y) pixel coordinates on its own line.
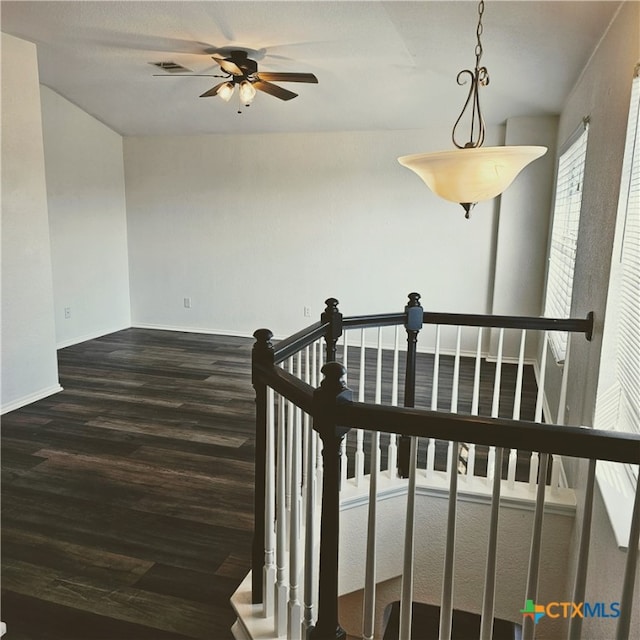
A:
(127, 498)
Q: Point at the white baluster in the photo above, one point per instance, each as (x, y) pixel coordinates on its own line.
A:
(309, 534)
(305, 374)
(488, 599)
(534, 553)
(561, 415)
(281, 526)
(495, 405)
(430, 458)
(392, 455)
(343, 461)
(319, 465)
(345, 354)
(300, 449)
(456, 374)
(475, 402)
(269, 572)
(289, 451)
(454, 391)
(436, 372)
(517, 403)
(543, 373)
(378, 396)
(406, 599)
(446, 608)
(318, 447)
(431, 444)
(575, 623)
(295, 609)
(534, 463)
(359, 433)
(320, 357)
(343, 444)
(628, 582)
(314, 365)
(370, 569)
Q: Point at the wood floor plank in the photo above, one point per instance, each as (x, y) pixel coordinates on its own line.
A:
(30, 618)
(127, 498)
(151, 609)
(145, 493)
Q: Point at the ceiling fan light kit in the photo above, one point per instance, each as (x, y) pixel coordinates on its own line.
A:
(226, 91)
(247, 92)
(471, 173)
(238, 69)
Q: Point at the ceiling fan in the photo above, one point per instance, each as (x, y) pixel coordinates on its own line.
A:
(238, 69)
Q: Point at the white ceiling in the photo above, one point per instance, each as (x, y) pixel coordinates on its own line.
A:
(380, 65)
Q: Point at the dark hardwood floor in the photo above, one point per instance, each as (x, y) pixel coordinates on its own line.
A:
(127, 498)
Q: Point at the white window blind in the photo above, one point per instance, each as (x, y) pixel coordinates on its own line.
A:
(564, 234)
(618, 400)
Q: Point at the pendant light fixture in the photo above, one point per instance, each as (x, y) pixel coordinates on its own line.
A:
(472, 173)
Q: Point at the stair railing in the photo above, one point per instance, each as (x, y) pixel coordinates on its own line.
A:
(288, 400)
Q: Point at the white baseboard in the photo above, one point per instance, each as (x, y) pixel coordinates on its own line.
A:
(181, 329)
(90, 336)
(28, 399)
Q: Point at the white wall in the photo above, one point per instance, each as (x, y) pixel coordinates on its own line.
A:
(524, 212)
(29, 365)
(472, 531)
(603, 93)
(87, 218)
(254, 228)
(523, 231)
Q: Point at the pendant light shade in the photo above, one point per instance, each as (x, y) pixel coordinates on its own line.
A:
(471, 175)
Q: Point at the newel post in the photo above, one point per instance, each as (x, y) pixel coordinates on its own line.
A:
(413, 324)
(332, 315)
(262, 353)
(332, 391)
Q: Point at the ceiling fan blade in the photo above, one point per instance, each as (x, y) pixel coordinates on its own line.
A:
(287, 77)
(274, 90)
(213, 91)
(227, 65)
(183, 75)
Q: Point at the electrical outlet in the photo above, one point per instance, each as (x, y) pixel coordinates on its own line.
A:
(307, 312)
(187, 303)
(67, 313)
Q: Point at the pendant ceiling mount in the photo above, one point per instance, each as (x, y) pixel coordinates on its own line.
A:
(472, 173)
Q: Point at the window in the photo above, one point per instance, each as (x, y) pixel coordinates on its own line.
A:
(618, 399)
(618, 396)
(564, 234)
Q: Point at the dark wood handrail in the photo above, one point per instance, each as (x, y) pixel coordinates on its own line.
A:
(287, 385)
(307, 336)
(298, 341)
(379, 320)
(579, 442)
(334, 414)
(536, 323)
(576, 325)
